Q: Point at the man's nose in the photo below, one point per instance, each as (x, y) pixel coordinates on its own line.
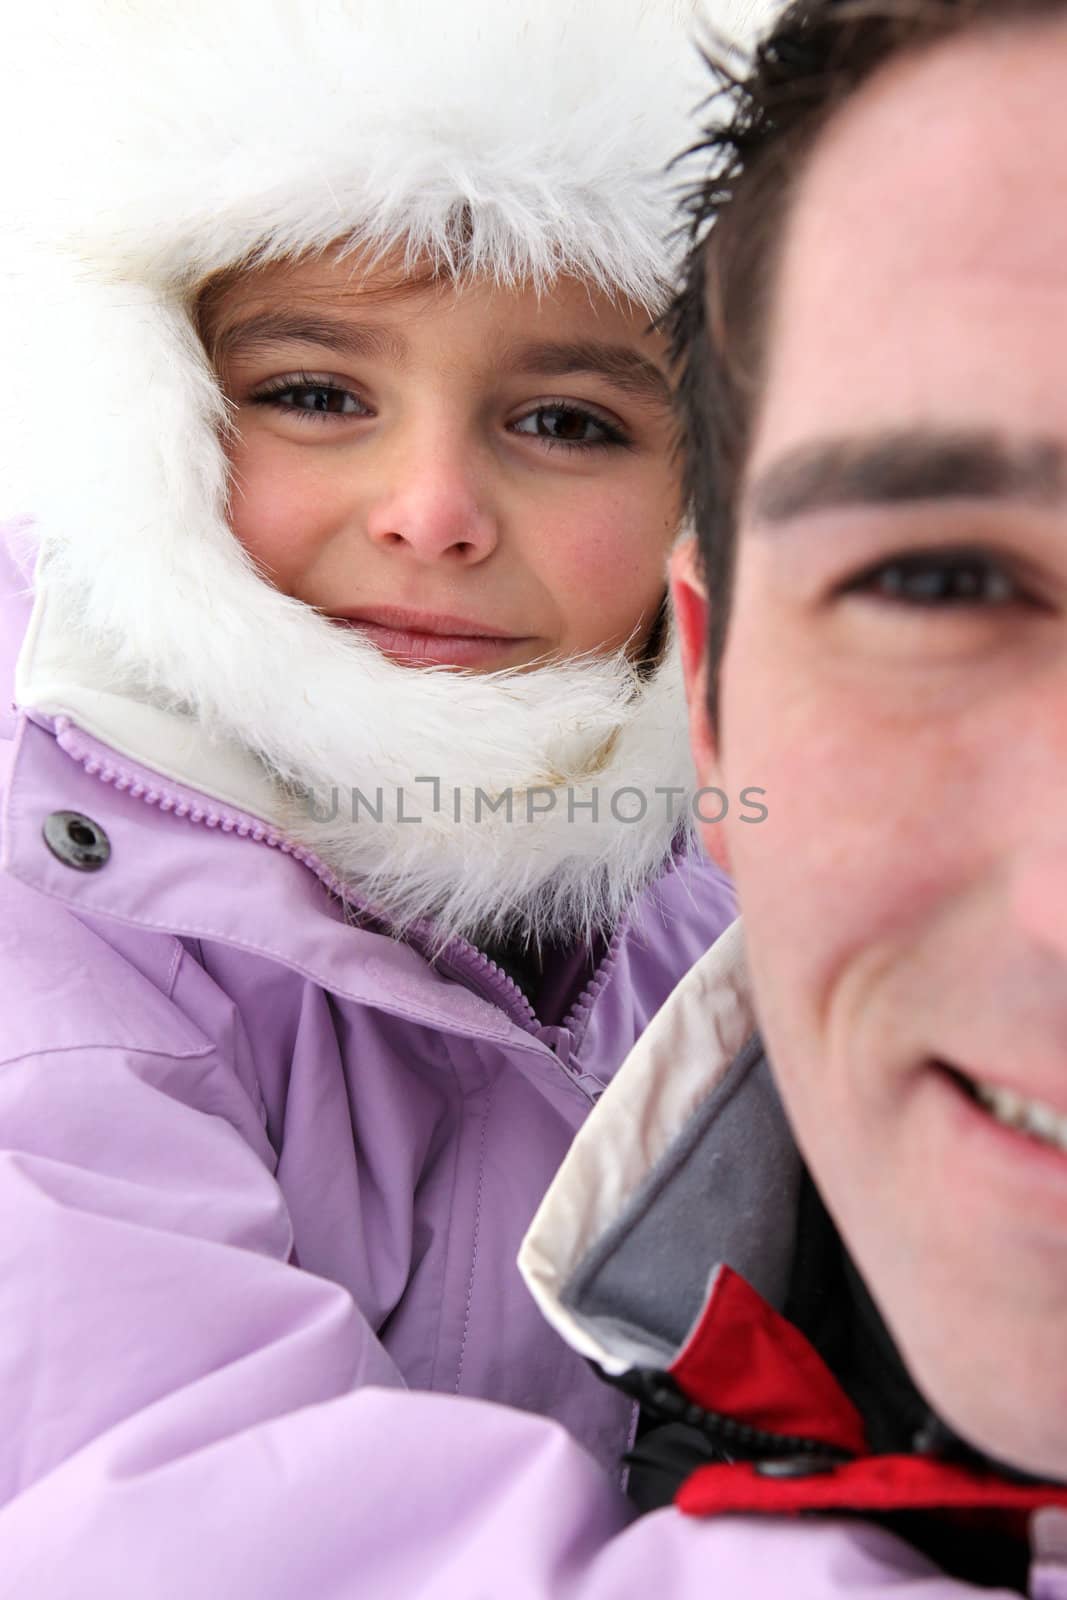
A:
(432, 503)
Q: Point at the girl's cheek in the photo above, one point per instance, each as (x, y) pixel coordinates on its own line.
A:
(610, 573)
(268, 512)
(616, 539)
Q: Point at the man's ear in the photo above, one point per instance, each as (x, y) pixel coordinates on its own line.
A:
(690, 600)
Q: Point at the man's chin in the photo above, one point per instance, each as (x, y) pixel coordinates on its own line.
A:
(1033, 1440)
(1001, 1387)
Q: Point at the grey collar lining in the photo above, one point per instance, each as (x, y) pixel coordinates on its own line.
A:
(724, 1192)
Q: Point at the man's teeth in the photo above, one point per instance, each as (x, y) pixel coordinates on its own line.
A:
(1029, 1116)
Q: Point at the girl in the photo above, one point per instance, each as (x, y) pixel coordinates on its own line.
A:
(346, 841)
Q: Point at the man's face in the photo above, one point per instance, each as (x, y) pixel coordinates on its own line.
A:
(895, 677)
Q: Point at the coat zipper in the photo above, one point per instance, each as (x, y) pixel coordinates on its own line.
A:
(659, 1395)
(473, 968)
(488, 979)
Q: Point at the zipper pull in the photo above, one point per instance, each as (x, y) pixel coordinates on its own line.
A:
(560, 1042)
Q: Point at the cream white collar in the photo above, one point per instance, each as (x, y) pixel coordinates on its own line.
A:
(683, 1053)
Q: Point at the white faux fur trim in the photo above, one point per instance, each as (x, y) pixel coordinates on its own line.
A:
(158, 142)
(317, 718)
(685, 1049)
(169, 138)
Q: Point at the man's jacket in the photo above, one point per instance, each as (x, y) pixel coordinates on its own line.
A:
(684, 1251)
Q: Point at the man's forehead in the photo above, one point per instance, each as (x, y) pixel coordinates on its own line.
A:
(941, 155)
(923, 278)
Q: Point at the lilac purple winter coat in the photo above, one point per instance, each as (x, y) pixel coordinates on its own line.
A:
(264, 1174)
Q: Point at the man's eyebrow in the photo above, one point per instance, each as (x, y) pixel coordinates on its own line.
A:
(263, 330)
(623, 367)
(908, 466)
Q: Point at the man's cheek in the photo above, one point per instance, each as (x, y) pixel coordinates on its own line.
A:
(799, 869)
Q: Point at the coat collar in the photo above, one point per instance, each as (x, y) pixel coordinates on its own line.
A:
(664, 1252)
(190, 866)
(691, 1123)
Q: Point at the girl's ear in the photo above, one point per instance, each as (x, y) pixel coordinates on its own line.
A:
(690, 600)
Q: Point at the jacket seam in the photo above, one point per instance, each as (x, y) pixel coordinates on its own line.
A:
(116, 1049)
(446, 1255)
(482, 1145)
(142, 1052)
(175, 967)
(185, 931)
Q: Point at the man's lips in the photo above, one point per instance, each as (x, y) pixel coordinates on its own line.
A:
(431, 638)
(1013, 1109)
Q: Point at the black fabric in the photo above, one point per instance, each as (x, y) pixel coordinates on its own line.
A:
(551, 976)
(522, 964)
(664, 1455)
(829, 1303)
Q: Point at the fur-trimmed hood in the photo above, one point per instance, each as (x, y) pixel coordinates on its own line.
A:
(159, 144)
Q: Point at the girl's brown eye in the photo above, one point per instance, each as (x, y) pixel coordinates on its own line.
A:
(571, 426)
(308, 400)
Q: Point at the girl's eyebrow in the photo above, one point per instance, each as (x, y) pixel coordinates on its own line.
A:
(265, 329)
(620, 365)
(623, 367)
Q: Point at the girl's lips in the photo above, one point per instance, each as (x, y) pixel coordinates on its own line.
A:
(419, 639)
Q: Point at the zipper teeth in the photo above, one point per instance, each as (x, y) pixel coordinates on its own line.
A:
(504, 983)
(660, 1394)
(246, 827)
(578, 1014)
(464, 954)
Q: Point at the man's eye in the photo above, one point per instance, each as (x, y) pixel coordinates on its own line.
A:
(569, 425)
(311, 400)
(940, 579)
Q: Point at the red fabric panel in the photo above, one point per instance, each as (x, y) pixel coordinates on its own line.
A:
(874, 1483)
(746, 1361)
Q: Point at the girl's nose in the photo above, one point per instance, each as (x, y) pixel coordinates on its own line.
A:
(432, 509)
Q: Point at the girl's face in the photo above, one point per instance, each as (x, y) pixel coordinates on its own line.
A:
(471, 476)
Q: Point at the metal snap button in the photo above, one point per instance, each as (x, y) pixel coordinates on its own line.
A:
(796, 1467)
(77, 841)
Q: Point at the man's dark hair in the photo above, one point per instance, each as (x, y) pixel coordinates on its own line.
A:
(817, 55)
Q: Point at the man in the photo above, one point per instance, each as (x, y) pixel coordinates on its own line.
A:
(873, 339)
